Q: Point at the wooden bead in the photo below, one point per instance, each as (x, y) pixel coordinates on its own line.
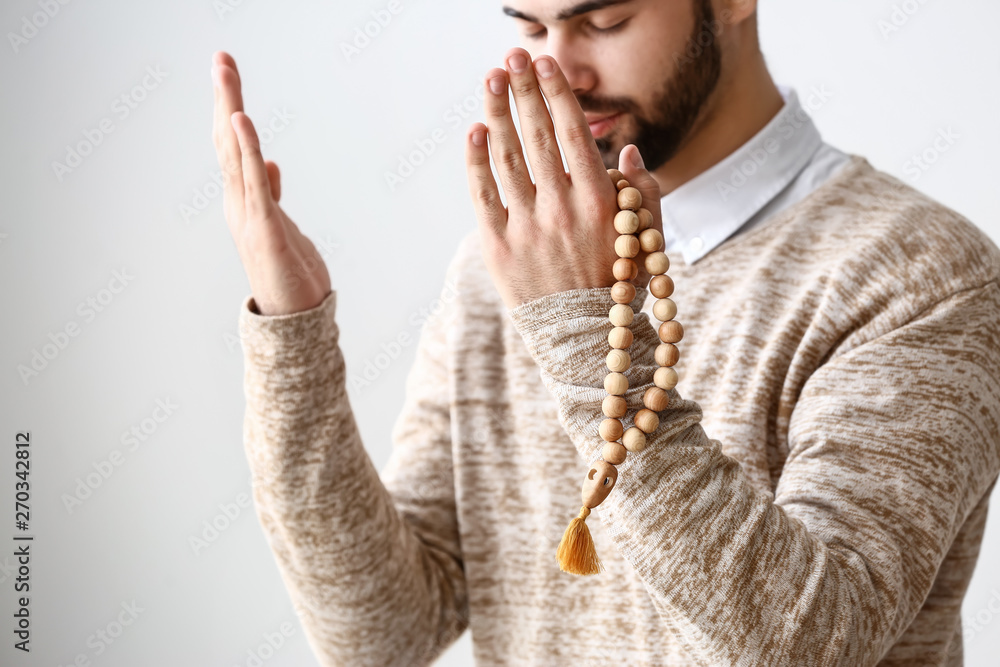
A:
(646, 420)
(618, 361)
(620, 338)
(614, 452)
(671, 331)
(666, 354)
(664, 378)
(615, 175)
(625, 269)
(661, 286)
(600, 480)
(627, 245)
(656, 262)
(621, 185)
(617, 384)
(664, 309)
(626, 222)
(611, 429)
(651, 240)
(634, 439)
(629, 198)
(645, 219)
(614, 406)
(655, 399)
(623, 292)
(621, 314)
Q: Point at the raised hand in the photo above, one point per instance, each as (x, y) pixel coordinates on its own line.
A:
(286, 273)
(557, 233)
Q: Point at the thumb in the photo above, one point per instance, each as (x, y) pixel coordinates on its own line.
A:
(274, 179)
(630, 163)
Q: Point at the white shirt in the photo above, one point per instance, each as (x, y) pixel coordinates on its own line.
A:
(776, 168)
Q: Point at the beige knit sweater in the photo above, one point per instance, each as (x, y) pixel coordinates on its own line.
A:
(817, 497)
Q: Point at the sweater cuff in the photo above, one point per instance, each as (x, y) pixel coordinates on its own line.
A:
(289, 339)
(566, 333)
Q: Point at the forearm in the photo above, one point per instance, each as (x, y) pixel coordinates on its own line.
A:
(750, 584)
(370, 591)
(741, 580)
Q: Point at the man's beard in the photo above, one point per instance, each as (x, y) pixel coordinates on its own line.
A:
(678, 103)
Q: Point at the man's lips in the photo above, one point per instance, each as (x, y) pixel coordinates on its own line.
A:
(601, 125)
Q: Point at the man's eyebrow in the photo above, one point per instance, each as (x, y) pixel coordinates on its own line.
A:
(569, 12)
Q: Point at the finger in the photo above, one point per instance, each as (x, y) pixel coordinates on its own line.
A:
(257, 189)
(536, 122)
(274, 178)
(504, 143)
(489, 209)
(582, 157)
(230, 101)
(223, 58)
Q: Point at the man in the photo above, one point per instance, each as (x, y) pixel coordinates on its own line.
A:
(814, 494)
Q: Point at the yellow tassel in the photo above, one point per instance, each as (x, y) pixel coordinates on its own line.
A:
(576, 549)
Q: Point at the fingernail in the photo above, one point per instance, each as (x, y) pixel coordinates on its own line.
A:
(517, 62)
(478, 137)
(544, 67)
(637, 160)
(497, 85)
(215, 75)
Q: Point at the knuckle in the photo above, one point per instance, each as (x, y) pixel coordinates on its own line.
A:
(511, 159)
(582, 162)
(251, 151)
(485, 197)
(577, 134)
(515, 187)
(556, 87)
(497, 109)
(479, 158)
(232, 166)
(525, 88)
(541, 137)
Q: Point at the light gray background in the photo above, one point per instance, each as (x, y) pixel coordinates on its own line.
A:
(171, 333)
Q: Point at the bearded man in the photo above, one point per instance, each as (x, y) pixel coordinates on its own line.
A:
(816, 491)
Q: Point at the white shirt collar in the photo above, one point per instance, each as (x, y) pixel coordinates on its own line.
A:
(708, 209)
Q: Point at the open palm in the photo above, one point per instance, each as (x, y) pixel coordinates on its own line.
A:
(285, 271)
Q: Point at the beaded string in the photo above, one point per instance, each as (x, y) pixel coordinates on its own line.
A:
(635, 232)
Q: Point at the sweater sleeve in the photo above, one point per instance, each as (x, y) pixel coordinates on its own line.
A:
(373, 568)
(892, 444)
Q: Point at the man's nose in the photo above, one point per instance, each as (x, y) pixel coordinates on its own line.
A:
(572, 61)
